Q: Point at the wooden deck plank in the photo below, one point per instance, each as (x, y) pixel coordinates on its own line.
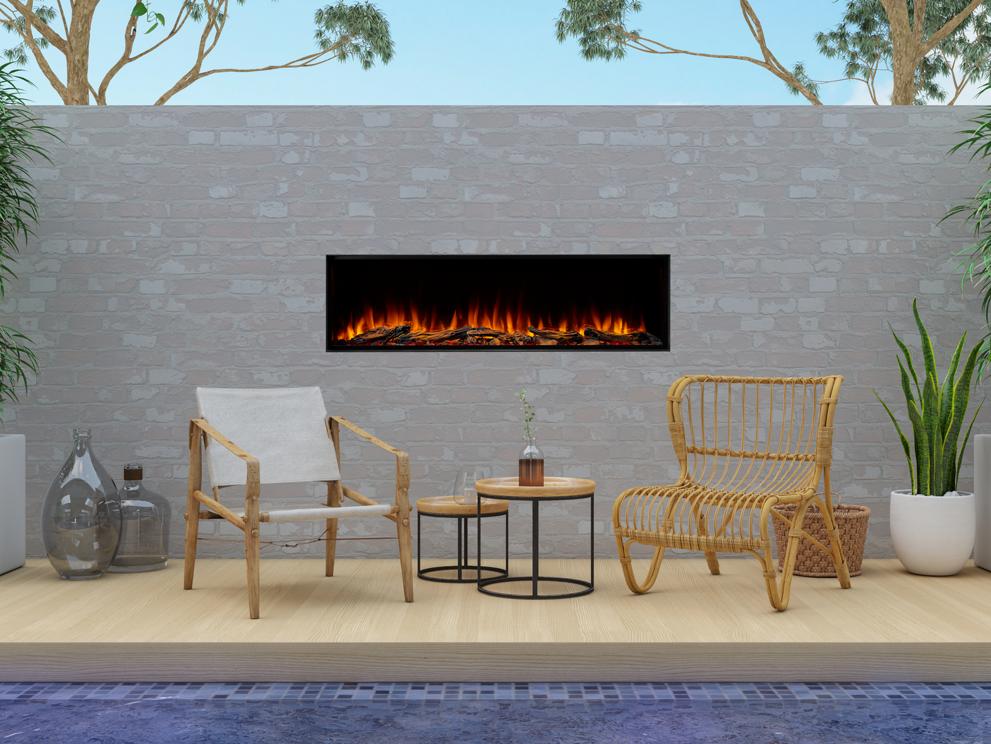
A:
(355, 626)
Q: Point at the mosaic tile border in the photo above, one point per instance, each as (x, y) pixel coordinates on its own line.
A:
(428, 692)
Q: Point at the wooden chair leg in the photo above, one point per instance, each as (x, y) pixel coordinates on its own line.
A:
(405, 537)
(192, 537)
(333, 499)
(252, 557)
(627, 563)
(194, 483)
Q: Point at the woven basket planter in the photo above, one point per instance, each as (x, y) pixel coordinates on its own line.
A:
(852, 521)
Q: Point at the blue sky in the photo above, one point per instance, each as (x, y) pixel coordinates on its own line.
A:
(477, 52)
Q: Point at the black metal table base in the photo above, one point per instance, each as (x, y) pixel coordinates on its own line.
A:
(535, 577)
(465, 574)
(587, 587)
(464, 571)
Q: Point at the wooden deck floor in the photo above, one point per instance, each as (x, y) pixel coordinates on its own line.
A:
(355, 626)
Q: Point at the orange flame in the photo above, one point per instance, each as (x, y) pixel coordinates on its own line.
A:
(498, 317)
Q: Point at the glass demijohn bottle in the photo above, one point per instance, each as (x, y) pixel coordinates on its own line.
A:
(145, 518)
(81, 516)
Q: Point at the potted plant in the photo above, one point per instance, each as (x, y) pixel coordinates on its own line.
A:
(932, 523)
(18, 215)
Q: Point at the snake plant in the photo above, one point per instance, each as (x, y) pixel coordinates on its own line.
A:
(936, 412)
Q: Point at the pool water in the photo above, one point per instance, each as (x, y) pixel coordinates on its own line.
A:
(602, 713)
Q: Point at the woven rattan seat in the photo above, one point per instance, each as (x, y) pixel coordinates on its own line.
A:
(744, 444)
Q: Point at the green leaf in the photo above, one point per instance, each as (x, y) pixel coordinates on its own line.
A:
(908, 361)
(139, 10)
(966, 439)
(901, 436)
(934, 439)
(921, 449)
(19, 212)
(946, 392)
(928, 355)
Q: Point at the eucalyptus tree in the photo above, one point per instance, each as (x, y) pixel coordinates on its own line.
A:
(930, 50)
(60, 36)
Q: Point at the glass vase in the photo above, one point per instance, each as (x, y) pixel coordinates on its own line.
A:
(144, 534)
(81, 518)
(531, 464)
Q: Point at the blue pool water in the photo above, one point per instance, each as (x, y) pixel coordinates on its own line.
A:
(437, 713)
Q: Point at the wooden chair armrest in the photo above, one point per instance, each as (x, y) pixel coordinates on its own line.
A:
(253, 480)
(370, 438)
(223, 441)
(402, 459)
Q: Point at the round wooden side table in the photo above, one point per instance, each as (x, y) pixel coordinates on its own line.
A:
(554, 489)
(446, 507)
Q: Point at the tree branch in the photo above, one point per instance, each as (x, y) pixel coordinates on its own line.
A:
(65, 23)
(44, 29)
(769, 61)
(126, 57)
(213, 25)
(920, 19)
(948, 28)
(27, 12)
(958, 85)
(218, 18)
(309, 60)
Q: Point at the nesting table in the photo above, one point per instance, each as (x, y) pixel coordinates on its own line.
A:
(448, 507)
(554, 489)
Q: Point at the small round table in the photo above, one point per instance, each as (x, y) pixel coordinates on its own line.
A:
(554, 489)
(446, 507)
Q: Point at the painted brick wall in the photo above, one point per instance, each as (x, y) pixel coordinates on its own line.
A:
(185, 246)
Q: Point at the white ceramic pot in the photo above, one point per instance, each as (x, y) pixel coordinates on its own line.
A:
(12, 521)
(933, 535)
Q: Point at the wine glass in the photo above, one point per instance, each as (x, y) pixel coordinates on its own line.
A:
(464, 483)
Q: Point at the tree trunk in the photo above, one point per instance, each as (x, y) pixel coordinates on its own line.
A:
(77, 59)
(903, 92)
(905, 53)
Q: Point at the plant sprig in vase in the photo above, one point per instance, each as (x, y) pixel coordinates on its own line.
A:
(531, 459)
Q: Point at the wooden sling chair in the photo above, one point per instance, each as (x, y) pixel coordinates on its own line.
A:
(282, 435)
(744, 445)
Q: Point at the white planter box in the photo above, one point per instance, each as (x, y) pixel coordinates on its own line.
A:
(12, 502)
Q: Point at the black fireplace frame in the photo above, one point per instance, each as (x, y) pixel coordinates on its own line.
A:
(662, 261)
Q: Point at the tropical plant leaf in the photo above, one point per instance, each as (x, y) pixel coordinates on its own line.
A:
(922, 479)
(901, 436)
(966, 438)
(928, 354)
(908, 361)
(19, 129)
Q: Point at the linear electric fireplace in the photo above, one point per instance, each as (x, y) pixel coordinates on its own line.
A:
(531, 302)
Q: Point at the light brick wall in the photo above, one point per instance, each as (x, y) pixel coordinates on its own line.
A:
(185, 246)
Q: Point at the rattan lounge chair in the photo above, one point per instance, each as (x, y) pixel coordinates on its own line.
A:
(744, 444)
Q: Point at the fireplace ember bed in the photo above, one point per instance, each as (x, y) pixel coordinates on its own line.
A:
(587, 302)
